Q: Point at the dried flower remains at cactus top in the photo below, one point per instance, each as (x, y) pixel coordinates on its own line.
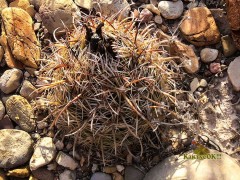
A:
(117, 102)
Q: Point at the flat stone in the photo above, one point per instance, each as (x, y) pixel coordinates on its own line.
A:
(67, 175)
(21, 112)
(175, 167)
(66, 161)
(100, 176)
(228, 45)
(18, 27)
(234, 73)
(56, 13)
(133, 173)
(28, 90)
(171, 10)
(6, 123)
(208, 55)
(22, 172)
(43, 174)
(15, 148)
(43, 154)
(112, 7)
(199, 27)
(10, 80)
(187, 56)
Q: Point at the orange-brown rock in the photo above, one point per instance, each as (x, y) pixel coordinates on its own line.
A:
(199, 27)
(21, 39)
(187, 56)
(25, 5)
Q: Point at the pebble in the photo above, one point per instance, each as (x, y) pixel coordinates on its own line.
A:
(2, 110)
(21, 112)
(67, 175)
(228, 45)
(234, 73)
(158, 19)
(84, 4)
(171, 10)
(133, 173)
(43, 174)
(36, 26)
(42, 125)
(59, 145)
(120, 168)
(177, 167)
(145, 16)
(10, 80)
(16, 148)
(19, 172)
(101, 176)
(6, 123)
(43, 154)
(66, 161)
(28, 90)
(151, 8)
(208, 55)
(199, 28)
(215, 68)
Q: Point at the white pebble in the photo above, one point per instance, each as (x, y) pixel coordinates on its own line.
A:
(171, 10)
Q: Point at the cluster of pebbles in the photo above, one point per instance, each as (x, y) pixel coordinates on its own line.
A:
(29, 149)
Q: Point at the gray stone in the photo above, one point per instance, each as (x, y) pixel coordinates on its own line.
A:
(55, 13)
(171, 10)
(6, 123)
(43, 174)
(208, 55)
(174, 167)
(28, 90)
(234, 73)
(43, 154)
(100, 176)
(15, 148)
(66, 161)
(10, 80)
(21, 112)
(67, 175)
(133, 173)
(111, 7)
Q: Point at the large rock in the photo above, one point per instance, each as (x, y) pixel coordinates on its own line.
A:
(57, 13)
(25, 5)
(43, 154)
(234, 73)
(10, 80)
(171, 10)
(199, 27)
(21, 39)
(112, 7)
(21, 112)
(15, 148)
(176, 167)
(187, 56)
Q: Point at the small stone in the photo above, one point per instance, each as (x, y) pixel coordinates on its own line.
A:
(145, 15)
(117, 176)
(203, 83)
(52, 166)
(101, 176)
(194, 85)
(36, 136)
(19, 173)
(10, 80)
(6, 123)
(44, 153)
(151, 8)
(208, 55)
(2, 110)
(26, 74)
(133, 173)
(67, 175)
(234, 73)
(28, 90)
(36, 26)
(171, 10)
(199, 27)
(120, 168)
(215, 68)
(84, 4)
(42, 125)
(59, 145)
(43, 174)
(229, 47)
(66, 161)
(21, 112)
(158, 19)
(109, 169)
(94, 168)
(1, 53)
(15, 147)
